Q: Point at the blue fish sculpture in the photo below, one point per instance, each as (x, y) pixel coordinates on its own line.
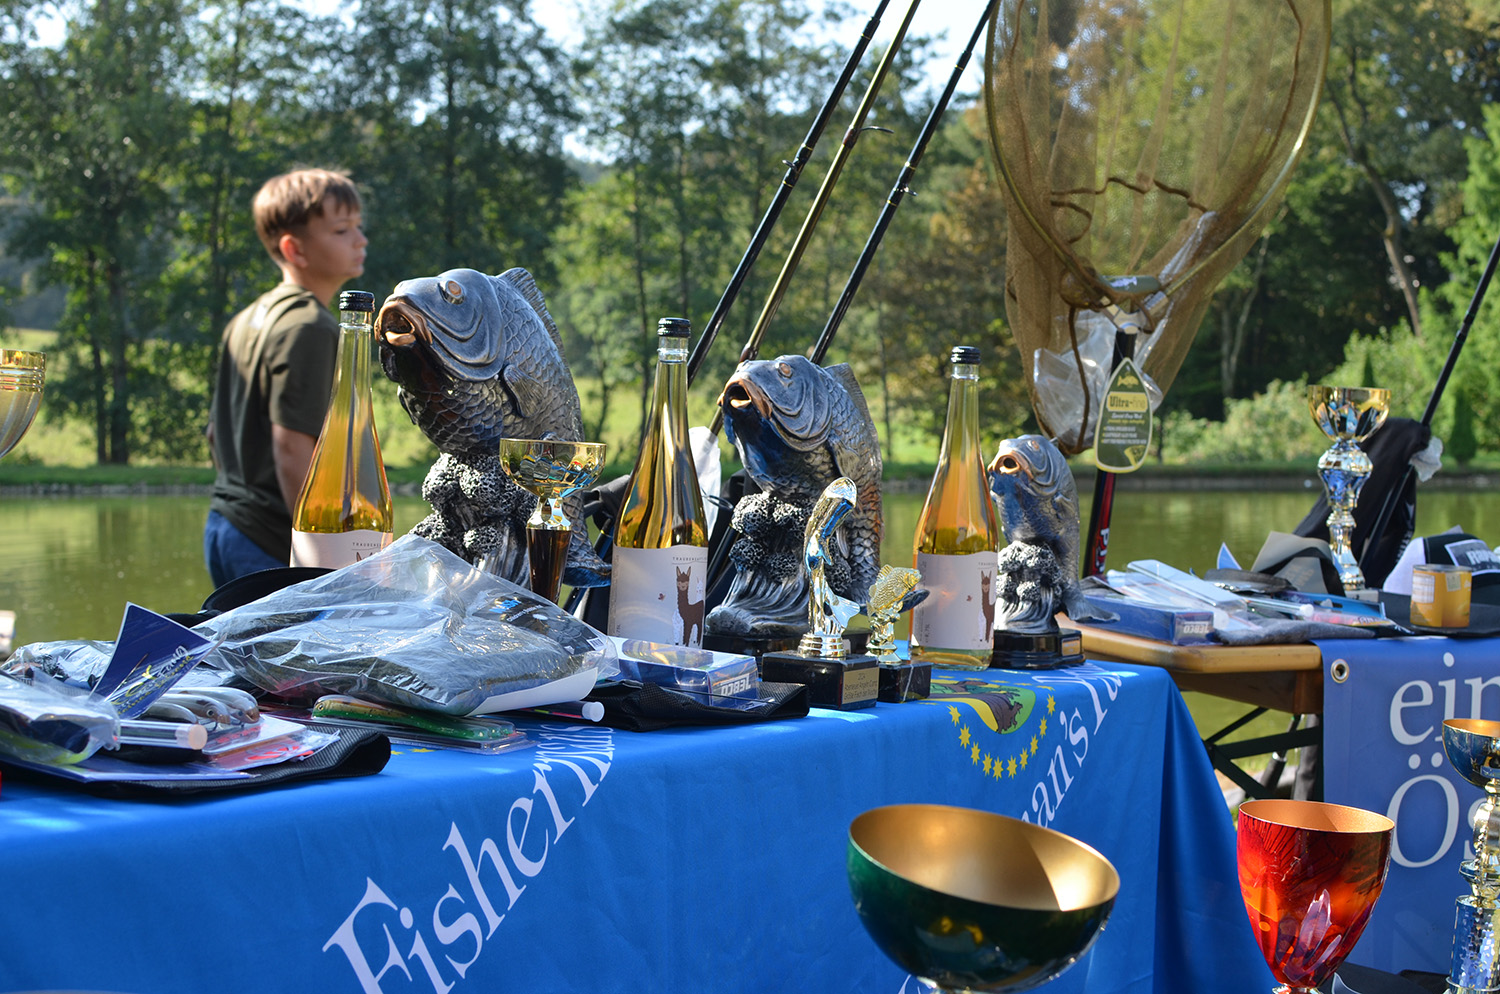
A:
(478, 358)
(797, 427)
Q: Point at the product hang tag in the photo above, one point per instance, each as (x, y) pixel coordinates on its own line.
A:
(1123, 435)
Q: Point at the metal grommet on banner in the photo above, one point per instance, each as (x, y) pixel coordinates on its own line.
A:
(1339, 671)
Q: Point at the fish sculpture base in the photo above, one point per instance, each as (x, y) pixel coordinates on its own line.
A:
(1037, 650)
(749, 645)
(846, 684)
(902, 682)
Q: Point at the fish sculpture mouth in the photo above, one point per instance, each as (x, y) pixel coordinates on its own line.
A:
(742, 397)
(401, 325)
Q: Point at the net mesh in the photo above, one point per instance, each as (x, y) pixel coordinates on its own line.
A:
(1137, 138)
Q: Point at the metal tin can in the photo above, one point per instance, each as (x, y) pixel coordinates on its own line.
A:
(1440, 595)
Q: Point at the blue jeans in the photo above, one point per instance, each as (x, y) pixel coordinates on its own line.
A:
(229, 554)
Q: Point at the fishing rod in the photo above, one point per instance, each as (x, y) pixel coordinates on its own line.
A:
(804, 236)
(1388, 506)
(898, 192)
(763, 231)
(783, 194)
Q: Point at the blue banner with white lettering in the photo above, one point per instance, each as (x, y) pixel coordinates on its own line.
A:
(1384, 703)
(602, 861)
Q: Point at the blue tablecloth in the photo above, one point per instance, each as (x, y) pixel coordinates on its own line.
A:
(602, 861)
(1383, 713)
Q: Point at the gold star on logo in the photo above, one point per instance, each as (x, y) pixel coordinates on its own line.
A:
(1043, 727)
(1033, 745)
(1051, 704)
(1010, 767)
(974, 754)
(987, 763)
(963, 735)
(954, 712)
(999, 770)
(1023, 759)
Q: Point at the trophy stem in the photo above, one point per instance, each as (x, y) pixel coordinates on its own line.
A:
(547, 550)
(1344, 469)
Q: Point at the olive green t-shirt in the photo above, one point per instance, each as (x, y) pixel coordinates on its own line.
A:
(276, 366)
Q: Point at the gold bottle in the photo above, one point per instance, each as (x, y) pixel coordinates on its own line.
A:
(343, 513)
(957, 538)
(661, 535)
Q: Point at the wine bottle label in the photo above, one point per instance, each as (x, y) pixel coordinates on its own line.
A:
(657, 594)
(337, 549)
(959, 612)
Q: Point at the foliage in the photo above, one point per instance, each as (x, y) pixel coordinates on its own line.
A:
(1475, 234)
(130, 150)
(1273, 426)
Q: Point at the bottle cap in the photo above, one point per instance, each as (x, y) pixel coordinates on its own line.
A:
(356, 300)
(674, 327)
(966, 354)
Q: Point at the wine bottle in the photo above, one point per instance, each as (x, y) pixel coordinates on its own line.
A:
(661, 533)
(957, 538)
(343, 513)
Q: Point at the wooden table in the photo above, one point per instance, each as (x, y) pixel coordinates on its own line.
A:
(1267, 677)
(1276, 677)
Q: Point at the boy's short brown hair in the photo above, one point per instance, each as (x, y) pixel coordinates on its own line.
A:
(284, 204)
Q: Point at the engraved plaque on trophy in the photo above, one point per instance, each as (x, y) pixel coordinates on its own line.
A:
(834, 677)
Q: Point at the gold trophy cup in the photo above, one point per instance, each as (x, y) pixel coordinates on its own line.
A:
(1473, 747)
(21, 375)
(552, 469)
(1348, 416)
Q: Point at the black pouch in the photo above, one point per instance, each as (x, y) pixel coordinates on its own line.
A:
(358, 752)
(638, 707)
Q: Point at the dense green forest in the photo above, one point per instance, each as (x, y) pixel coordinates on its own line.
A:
(628, 171)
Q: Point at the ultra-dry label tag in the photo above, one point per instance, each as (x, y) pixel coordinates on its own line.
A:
(959, 612)
(1123, 435)
(657, 594)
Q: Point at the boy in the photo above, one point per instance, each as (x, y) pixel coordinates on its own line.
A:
(276, 369)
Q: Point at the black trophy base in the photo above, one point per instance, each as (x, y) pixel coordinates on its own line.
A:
(1043, 651)
(748, 645)
(900, 682)
(840, 684)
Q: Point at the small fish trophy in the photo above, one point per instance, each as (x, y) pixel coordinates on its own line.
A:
(1348, 416)
(1027, 599)
(552, 469)
(834, 678)
(894, 592)
(1473, 747)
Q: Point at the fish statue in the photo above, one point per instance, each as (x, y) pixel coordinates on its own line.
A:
(1038, 504)
(797, 427)
(478, 358)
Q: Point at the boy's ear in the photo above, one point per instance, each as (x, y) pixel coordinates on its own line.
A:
(291, 249)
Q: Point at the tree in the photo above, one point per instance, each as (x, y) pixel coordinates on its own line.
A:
(457, 127)
(1477, 373)
(92, 130)
(1406, 81)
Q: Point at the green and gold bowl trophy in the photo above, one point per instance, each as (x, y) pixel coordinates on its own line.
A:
(552, 469)
(968, 900)
(1473, 747)
(1348, 416)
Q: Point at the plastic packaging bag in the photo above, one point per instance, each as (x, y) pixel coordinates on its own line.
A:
(417, 627)
(42, 721)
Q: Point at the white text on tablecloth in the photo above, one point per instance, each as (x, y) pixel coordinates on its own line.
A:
(532, 824)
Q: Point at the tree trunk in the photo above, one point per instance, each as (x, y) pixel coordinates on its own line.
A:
(119, 368)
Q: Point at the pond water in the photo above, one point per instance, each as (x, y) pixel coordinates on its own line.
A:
(72, 563)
